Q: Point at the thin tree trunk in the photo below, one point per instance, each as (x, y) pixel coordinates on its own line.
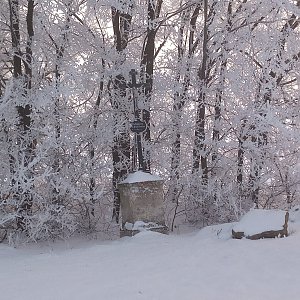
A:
(94, 126)
(221, 86)
(60, 50)
(180, 98)
(216, 134)
(259, 140)
(15, 37)
(92, 183)
(240, 158)
(199, 155)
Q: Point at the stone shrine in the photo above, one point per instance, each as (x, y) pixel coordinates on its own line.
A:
(142, 207)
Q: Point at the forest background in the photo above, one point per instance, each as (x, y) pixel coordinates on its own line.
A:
(220, 103)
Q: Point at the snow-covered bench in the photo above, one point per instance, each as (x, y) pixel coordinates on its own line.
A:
(262, 223)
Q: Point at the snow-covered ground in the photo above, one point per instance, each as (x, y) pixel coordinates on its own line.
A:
(204, 265)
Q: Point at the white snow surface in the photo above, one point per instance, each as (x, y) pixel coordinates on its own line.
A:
(140, 176)
(203, 265)
(260, 220)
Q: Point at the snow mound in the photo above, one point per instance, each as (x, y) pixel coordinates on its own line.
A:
(142, 226)
(260, 220)
(140, 176)
(220, 231)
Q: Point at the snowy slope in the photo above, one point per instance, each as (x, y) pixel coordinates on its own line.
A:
(204, 265)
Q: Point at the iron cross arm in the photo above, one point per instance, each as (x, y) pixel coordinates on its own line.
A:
(133, 83)
(136, 85)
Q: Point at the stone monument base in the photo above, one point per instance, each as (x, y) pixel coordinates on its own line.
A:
(142, 204)
(131, 232)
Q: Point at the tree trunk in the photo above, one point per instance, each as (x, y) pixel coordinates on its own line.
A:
(92, 148)
(60, 50)
(20, 163)
(147, 65)
(121, 21)
(240, 158)
(221, 86)
(180, 98)
(199, 150)
(121, 146)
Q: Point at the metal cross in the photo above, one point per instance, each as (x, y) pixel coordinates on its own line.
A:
(137, 126)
